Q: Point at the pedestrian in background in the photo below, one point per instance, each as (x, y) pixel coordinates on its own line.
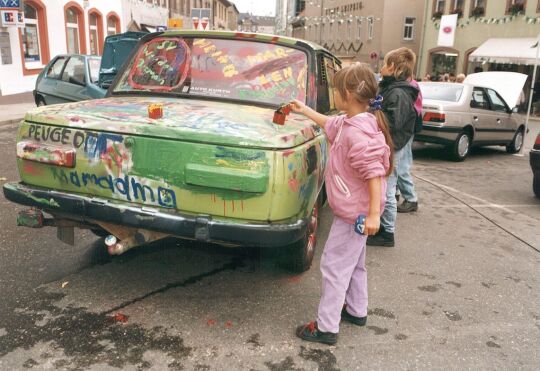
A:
(399, 97)
(360, 159)
(460, 78)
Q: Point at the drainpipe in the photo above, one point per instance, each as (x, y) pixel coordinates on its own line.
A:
(422, 42)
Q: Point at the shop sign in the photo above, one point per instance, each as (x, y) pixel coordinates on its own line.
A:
(12, 18)
(10, 4)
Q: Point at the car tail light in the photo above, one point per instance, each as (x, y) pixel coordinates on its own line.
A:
(46, 154)
(537, 142)
(434, 117)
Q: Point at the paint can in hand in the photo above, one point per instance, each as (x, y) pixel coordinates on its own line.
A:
(360, 224)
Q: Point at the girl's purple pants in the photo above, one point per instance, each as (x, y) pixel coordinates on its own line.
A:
(344, 276)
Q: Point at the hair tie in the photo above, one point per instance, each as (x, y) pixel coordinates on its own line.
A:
(375, 104)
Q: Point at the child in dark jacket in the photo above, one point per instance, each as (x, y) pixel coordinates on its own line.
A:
(399, 98)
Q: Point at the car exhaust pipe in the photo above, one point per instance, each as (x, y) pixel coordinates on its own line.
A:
(123, 239)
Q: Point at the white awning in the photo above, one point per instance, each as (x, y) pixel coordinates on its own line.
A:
(507, 50)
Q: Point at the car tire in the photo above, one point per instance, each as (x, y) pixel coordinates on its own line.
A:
(461, 147)
(298, 256)
(517, 142)
(536, 186)
(40, 101)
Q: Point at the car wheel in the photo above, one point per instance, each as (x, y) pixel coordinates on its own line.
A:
(40, 101)
(536, 186)
(298, 256)
(461, 147)
(516, 143)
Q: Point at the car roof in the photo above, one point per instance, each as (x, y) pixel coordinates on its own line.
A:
(284, 40)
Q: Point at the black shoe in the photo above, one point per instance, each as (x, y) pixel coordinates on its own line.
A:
(382, 238)
(358, 321)
(397, 197)
(407, 207)
(310, 332)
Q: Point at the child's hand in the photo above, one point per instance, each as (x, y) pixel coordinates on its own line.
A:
(298, 107)
(372, 225)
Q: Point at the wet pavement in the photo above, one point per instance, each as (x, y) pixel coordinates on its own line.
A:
(459, 290)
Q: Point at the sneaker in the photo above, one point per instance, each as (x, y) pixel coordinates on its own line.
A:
(310, 332)
(382, 238)
(407, 207)
(358, 321)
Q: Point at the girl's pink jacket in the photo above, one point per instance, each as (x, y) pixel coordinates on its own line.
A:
(358, 152)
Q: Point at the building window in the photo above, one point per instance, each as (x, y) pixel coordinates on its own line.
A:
(75, 35)
(516, 7)
(370, 28)
(30, 37)
(95, 33)
(478, 8)
(438, 7)
(113, 24)
(359, 29)
(408, 28)
(457, 7)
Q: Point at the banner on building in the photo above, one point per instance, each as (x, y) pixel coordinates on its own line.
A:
(447, 31)
(175, 23)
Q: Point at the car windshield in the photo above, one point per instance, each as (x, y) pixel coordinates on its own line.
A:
(93, 66)
(450, 92)
(232, 69)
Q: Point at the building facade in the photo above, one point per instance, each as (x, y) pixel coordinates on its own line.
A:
(180, 9)
(50, 28)
(363, 30)
(145, 15)
(257, 24)
(479, 21)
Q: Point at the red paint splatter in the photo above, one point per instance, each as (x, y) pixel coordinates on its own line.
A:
(30, 169)
(288, 153)
(293, 185)
(119, 317)
(211, 322)
(229, 324)
(294, 279)
(274, 40)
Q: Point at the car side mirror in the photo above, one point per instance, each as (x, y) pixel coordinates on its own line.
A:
(76, 81)
(515, 110)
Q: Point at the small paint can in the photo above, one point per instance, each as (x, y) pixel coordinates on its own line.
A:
(360, 224)
(155, 111)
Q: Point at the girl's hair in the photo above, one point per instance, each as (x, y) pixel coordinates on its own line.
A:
(359, 80)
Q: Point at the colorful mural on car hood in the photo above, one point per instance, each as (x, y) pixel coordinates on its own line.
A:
(191, 120)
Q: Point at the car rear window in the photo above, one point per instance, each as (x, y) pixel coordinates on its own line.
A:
(450, 92)
(222, 68)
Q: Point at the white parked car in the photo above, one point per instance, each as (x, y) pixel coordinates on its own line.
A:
(479, 112)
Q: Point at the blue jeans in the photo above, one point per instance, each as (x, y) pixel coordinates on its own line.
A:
(401, 174)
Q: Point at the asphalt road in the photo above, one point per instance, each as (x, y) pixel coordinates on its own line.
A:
(459, 291)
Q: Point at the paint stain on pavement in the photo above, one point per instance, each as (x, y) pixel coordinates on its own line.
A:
(378, 330)
(286, 365)
(381, 313)
(429, 288)
(325, 359)
(452, 316)
(400, 337)
(493, 344)
(488, 285)
(456, 284)
(255, 341)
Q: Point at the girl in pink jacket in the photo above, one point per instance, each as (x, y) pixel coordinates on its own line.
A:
(355, 179)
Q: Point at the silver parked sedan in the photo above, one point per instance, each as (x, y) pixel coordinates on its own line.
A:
(464, 115)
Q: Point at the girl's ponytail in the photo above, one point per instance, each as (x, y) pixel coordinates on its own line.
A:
(383, 125)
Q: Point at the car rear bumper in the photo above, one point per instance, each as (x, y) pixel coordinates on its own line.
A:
(534, 158)
(437, 134)
(199, 227)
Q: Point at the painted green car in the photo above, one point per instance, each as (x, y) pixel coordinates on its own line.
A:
(185, 145)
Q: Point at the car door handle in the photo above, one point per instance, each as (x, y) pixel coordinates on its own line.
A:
(475, 118)
(498, 121)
